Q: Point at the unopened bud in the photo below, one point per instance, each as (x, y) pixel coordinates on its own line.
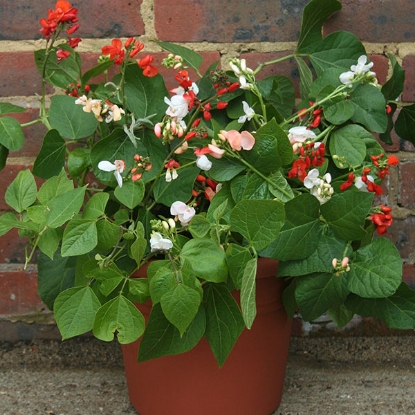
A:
(334, 262)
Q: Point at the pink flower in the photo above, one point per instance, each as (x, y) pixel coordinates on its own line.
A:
(238, 141)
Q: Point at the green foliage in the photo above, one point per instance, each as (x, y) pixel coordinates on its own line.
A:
(198, 186)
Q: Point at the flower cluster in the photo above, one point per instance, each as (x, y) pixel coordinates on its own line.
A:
(204, 179)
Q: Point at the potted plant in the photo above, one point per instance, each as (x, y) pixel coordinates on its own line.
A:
(168, 202)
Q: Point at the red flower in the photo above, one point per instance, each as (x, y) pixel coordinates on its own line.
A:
(114, 51)
(347, 183)
(62, 54)
(148, 69)
(298, 169)
(393, 160)
(382, 220)
(73, 43)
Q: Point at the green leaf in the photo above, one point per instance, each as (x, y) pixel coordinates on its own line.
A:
(75, 311)
(116, 146)
(306, 77)
(263, 227)
(199, 226)
(180, 306)
(348, 144)
(161, 280)
(315, 13)
(63, 206)
(192, 59)
(180, 189)
(7, 222)
(346, 213)
(248, 301)
(338, 112)
(316, 293)
(338, 50)
(143, 93)
(7, 108)
(95, 206)
(206, 259)
(405, 123)
(59, 73)
(272, 148)
(54, 276)
(4, 153)
(21, 192)
(161, 338)
(369, 104)
(320, 260)
(397, 311)
(11, 134)
(108, 235)
(80, 237)
(78, 161)
(340, 314)
(121, 316)
(130, 194)
(138, 290)
(393, 87)
(237, 258)
(138, 249)
(49, 241)
(224, 322)
(53, 187)
(95, 71)
(70, 119)
(375, 270)
(51, 157)
(298, 237)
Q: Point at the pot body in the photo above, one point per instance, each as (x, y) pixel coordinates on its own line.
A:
(250, 381)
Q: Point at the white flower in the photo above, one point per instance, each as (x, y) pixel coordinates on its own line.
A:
(203, 163)
(319, 188)
(361, 67)
(178, 106)
(243, 84)
(183, 212)
(118, 167)
(249, 113)
(346, 78)
(158, 243)
(300, 134)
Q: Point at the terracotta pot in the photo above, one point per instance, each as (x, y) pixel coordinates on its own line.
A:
(249, 383)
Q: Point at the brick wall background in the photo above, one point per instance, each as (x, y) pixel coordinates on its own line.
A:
(257, 30)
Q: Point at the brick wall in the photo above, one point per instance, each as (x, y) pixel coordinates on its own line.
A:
(258, 31)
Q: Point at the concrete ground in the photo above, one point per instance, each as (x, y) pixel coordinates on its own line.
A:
(332, 375)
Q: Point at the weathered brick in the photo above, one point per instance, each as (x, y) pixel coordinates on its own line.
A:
(97, 19)
(12, 248)
(376, 21)
(408, 65)
(407, 184)
(402, 235)
(18, 295)
(230, 21)
(19, 76)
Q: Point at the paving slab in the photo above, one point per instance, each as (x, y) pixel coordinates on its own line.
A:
(330, 376)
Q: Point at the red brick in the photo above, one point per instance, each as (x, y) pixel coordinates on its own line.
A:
(19, 75)
(12, 248)
(376, 21)
(407, 185)
(402, 235)
(409, 275)
(228, 21)
(408, 65)
(97, 18)
(18, 295)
